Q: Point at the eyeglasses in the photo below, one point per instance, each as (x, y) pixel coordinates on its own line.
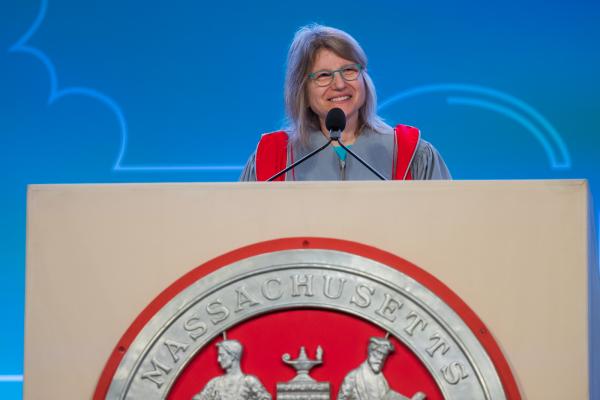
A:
(325, 76)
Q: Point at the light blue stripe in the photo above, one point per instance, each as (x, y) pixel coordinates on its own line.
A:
(11, 378)
(179, 167)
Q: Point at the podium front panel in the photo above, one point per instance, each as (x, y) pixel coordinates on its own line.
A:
(515, 252)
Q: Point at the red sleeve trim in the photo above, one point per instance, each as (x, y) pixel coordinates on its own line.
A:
(407, 139)
(271, 155)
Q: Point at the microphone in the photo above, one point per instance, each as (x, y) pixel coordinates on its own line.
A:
(335, 122)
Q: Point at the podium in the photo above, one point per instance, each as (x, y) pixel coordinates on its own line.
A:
(516, 252)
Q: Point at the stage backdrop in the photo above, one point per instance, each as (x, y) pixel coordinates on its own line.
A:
(144, 91)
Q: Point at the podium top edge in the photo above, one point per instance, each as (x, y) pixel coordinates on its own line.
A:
(531, 183)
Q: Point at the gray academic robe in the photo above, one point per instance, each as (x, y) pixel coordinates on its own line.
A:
(376, 148)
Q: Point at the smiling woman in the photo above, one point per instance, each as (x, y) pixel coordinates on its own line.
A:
(326, 69)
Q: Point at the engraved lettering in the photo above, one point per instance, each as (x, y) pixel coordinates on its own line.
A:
(175, 348)
(327, 287)
(454, 373)
(363, 296)
(298, 283)
(388, 308)
(269, 286)
(195, 324)
(439, 344)
(244, 299)
(417, 322)
(159, 370)
(217, 309)
(287, 281)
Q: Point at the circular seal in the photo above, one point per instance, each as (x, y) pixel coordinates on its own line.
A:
(351, 299)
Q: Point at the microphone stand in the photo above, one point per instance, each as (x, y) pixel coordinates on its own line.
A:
(335, 136)
(300, 161)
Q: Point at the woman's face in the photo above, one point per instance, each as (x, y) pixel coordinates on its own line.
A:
(347, 95)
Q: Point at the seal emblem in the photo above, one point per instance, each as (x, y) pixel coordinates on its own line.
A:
(309, 291)
(303, 386)
(234, 385)
(367, 381)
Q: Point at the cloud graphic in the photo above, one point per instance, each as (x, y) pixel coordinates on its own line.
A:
(509, 106)
(57, 93)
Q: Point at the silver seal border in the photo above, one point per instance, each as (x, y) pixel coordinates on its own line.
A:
(467, 371)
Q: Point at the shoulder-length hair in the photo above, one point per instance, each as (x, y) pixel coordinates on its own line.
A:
(301, 56)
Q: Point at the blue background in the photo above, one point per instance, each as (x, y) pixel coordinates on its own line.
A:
(138, 91)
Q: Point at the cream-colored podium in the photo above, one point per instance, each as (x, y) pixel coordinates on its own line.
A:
(515, 251)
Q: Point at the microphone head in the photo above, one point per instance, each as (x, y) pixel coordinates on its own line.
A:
(335, 120)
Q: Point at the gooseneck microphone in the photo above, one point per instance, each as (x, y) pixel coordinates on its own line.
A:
(335, 122)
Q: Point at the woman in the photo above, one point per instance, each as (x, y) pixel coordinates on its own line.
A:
(326, 69)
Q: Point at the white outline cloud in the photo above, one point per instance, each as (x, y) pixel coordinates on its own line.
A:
(56, 93)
